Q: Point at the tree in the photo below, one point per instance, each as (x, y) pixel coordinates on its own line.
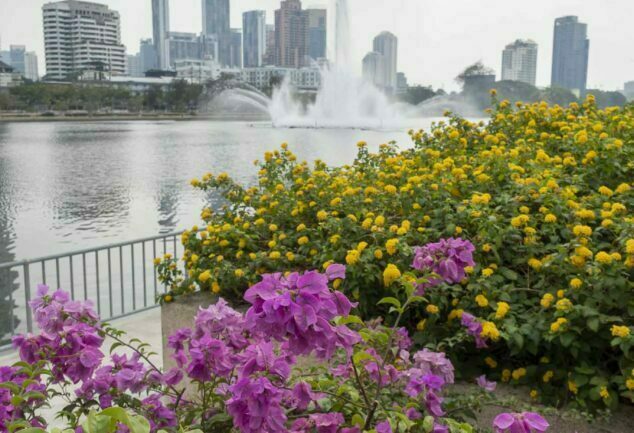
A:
(608, 99)
(477, 68)
(417, 94)
(558, 95)
(517, 91)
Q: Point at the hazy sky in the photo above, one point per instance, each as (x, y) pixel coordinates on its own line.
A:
(437, 38)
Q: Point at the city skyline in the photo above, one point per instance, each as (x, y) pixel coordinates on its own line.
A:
(422, 30)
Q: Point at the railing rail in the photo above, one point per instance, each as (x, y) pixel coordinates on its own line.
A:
(119, 278)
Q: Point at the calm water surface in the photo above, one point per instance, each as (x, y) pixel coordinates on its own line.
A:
(74, 185)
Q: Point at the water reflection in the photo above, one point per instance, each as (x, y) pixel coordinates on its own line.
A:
(8, 277)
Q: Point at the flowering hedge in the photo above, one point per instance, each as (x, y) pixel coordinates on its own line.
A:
(543, 191)
(296, 362)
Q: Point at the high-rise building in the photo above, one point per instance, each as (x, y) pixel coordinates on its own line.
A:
(291, 33)
(374, 69)
(387, 44)
(190, 46)
(254, 38)
(269, 53)
(31, 68)
(628, 90)
(571, 48)
(401, 83)
(519, 61)
(216, 17)
(235, 49)
(78, 35)
(147, 53)
(161, 28)
(134, 66)
(16, 56)
(317, 34)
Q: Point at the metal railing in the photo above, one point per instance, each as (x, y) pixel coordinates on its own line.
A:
(120, 279)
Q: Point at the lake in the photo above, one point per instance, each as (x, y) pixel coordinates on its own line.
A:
(74, 185)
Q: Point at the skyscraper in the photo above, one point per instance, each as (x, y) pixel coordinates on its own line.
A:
(317, 34)
(235, 49)
(269, 53)
(78, 34)
(254, 38)
(374, 69)
(519, 62)
(31, 68)
(571, 49)
(147, 53)
(161, 27)
(387, 44)
(16, 56)
(216, 17)
(291, 33)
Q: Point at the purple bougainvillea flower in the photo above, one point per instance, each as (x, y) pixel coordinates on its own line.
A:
(447, 258)
(526, 422)
(384, 427)
(303, 395)
(336, 271)
(433, 403)
(327, 422)
(474, 328)
(413, 414)
(486, 384)
(439, 428)
(435, 363)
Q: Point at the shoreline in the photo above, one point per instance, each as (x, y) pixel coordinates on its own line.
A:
(125, 117)
(114, 117)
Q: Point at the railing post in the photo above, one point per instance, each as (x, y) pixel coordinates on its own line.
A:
(27, 298)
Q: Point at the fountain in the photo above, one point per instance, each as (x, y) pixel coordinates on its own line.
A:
(343, 100)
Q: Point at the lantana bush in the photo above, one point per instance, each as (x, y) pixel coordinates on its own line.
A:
(543, 191)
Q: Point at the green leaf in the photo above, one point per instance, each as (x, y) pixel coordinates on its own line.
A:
(391, 301)
(509, 274)
(593, 324)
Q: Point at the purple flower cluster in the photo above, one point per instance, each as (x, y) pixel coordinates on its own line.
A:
(447, 258)
(526, 422)
(69, 337)
(298, 310)
(474, 328)
(9, 412)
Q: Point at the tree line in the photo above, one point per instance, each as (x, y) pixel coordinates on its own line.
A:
(179, 96)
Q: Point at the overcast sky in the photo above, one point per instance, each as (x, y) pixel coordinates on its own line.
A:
(437, 38)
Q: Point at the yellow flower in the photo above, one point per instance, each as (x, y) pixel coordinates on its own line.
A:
(486, 248)
(502, 310)
(168, 298)
(576, 283)
(420, 326)
(157, 261)
(556, 325)
(487, 272)
(563, 305)
(506, 375)
(489, 330)
(572, 387)
(581, 230)
(604, 393)
(534, 394)
(378, 254)
(362, 246)
(518, 373)
(629, 246)
(204, 276)
(620, 331)
(535, 263)
(391, 274)
(629, 384)
(432, 309)
(548, 376)
(550, 218)
(391, 246)
(274, 255)
(482, 301)
(352, 257)
(603, 258)
(322, 215)
(492, 363)
(303, 240)
(215, 287)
